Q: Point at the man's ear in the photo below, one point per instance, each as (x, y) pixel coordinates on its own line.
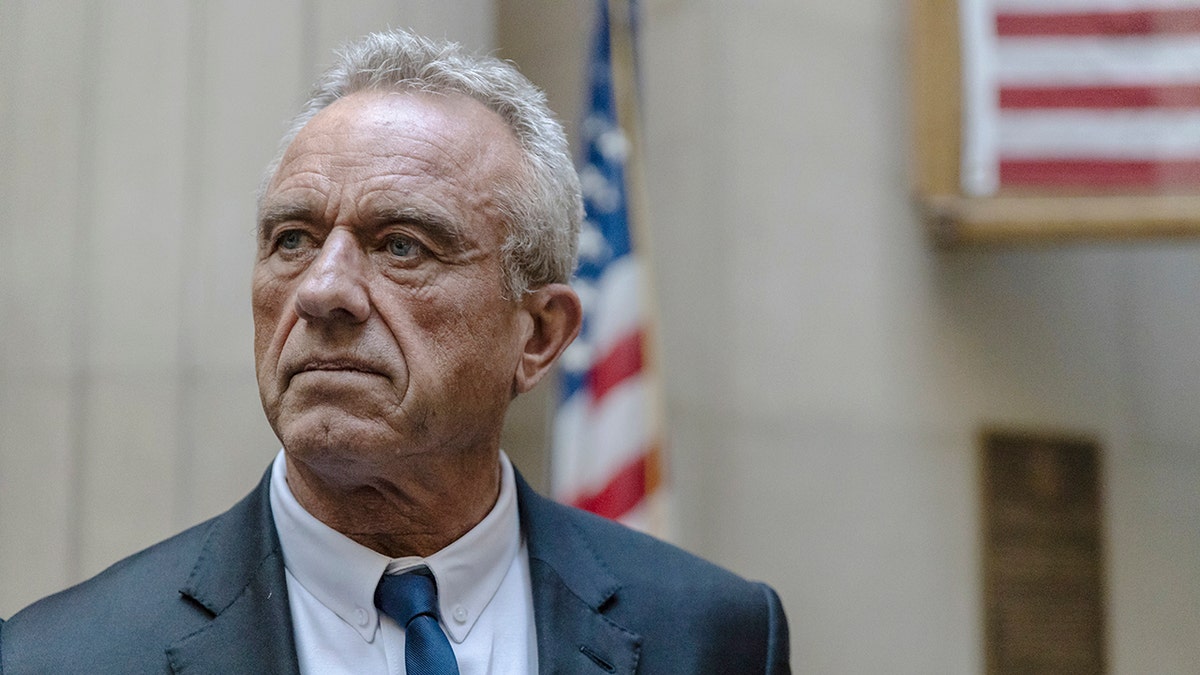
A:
(556, 316)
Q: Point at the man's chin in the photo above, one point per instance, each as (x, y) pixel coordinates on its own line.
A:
(334, 436)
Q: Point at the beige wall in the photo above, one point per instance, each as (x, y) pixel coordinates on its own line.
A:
(827, 371)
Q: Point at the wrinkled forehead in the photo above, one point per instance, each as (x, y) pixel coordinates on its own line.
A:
(448, 134)
(374, 158)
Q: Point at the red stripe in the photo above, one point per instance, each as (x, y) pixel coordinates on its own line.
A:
(1177, 96)
(621, 362)
(1104, 173)
(1144, 22)
(623, 492)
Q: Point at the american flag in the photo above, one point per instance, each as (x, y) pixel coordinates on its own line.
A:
(607, 454)
(1069, 94)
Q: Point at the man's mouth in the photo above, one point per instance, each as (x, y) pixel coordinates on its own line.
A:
(336, 366)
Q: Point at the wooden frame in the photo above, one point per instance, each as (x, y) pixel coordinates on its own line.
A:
(956, 219)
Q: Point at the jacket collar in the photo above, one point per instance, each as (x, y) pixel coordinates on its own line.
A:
(238, 578)
(572, 587)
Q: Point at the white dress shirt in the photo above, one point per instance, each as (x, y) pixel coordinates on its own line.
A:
(484, 591)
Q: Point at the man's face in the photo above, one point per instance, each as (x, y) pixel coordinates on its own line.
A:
(380, 318)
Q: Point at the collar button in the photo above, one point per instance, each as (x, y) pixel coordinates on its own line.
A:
(460, 614)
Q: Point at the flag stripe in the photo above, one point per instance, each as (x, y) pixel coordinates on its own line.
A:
(624, 491)
(1104, 173)
(616, 306)
(1093, 61)
(1116, 134)
(1112, 24)
(1077, 6)
(1102, 97)
(592, 441)
(612, 307)
(622, 362)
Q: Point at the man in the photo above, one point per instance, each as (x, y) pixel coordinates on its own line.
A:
(414, 240)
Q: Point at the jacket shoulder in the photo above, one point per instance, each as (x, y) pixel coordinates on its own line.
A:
(126, 614)
(126, 617)
(563, 535)
(691, 615)
(670, 574)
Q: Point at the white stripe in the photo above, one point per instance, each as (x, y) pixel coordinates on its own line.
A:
(1079, 6)
(570, 444)
(979, 172)
(594, 443)
(1155, 60)
(1116, 134)
(620, 428)
(618, 306)
(638, 518)
(613, 306)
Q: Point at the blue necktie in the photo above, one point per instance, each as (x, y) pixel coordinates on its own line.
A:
(411, 600)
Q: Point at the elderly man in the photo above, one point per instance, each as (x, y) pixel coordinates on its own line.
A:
(414, 240)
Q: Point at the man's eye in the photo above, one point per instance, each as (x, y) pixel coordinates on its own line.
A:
(290, 240)
(401, 246)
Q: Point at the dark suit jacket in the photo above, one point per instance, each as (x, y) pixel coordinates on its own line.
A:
(213, 599)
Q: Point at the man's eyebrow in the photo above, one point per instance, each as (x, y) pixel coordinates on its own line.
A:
(443, 231)
(440, 229)
(274, 214)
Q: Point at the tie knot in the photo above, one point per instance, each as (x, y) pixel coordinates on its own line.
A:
(405, 596)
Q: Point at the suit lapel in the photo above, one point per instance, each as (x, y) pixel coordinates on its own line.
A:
(571, 588)
(238, 578)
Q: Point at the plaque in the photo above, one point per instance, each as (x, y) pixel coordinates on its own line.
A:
(1043, 554)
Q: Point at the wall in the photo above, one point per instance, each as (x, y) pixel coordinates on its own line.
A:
(828, 371)
(133, 138)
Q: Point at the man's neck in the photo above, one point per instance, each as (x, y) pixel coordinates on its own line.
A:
(417, 512)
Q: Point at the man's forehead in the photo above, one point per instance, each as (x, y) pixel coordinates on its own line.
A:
(396, 113)
(381, 158)
(437, 135)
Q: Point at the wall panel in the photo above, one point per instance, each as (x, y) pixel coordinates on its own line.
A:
(41, 141)
(131, 283)
(246, 77)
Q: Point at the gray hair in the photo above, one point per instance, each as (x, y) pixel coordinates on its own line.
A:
(543, 209)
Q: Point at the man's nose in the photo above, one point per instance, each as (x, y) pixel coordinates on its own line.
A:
(334, 287)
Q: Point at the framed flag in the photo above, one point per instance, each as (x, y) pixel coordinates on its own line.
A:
(1056, 119)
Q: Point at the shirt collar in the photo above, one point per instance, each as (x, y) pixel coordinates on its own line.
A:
(342, 574)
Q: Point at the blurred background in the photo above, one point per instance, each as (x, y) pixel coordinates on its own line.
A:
(827, 370)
